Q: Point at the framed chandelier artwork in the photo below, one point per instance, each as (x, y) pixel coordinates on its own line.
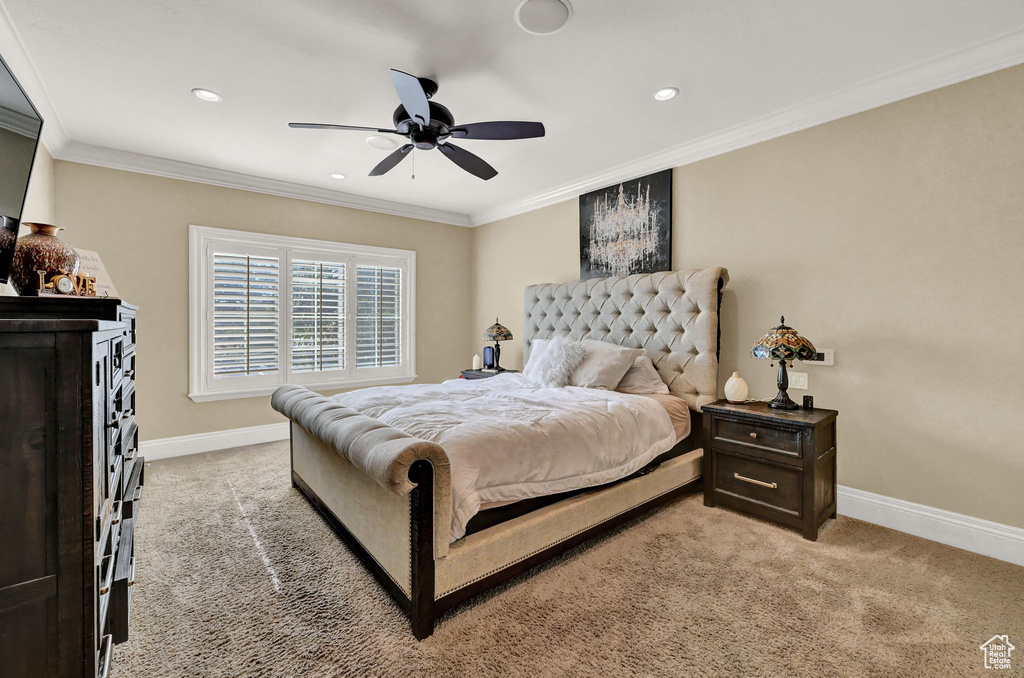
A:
(627, 228)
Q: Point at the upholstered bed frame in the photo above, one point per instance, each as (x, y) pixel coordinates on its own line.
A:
(388, 494)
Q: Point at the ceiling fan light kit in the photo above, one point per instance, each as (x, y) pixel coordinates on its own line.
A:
(543, 17)
(429, 125)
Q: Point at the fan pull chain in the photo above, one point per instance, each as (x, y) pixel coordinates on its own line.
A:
(413, 154)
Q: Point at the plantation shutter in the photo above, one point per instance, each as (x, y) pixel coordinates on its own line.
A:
(378, 316)
(246, 315)
(318, 316)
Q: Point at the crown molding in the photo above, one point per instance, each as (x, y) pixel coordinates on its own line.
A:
(173, 169)
(978, 59)
(19, 123)
(54, 136)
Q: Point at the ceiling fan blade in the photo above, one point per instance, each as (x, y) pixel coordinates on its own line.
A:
(498, 130)
(317, 125)
(471, 163)
(388, 163)
(414, 99)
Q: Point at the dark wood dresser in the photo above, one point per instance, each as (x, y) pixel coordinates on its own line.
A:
(779, 465)
(70, 483)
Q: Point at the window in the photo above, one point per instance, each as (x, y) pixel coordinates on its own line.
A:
(268, 310)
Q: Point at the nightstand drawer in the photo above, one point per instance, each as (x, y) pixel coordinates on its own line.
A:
(763, 437)
(773, 485)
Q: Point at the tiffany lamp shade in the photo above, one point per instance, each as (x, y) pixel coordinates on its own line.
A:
(782, 343)
(497, 333)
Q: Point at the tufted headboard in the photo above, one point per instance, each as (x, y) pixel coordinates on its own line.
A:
(673, 316)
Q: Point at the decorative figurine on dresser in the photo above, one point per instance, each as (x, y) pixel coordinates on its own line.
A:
(70, 483)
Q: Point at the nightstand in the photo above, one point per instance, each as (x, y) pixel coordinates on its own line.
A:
(481, 374)
(779, 465)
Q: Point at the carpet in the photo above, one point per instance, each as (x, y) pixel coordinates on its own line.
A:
(239, 576)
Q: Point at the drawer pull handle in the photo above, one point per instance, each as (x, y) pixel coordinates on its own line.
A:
(753, 435)
(108, 575)
(773, 486)
(105, 647)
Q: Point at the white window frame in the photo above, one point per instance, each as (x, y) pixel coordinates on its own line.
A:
(204, 387)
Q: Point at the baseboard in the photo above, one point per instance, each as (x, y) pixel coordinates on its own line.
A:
(163, 448)
(995, 540)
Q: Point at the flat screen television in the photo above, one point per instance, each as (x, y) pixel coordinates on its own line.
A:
(20, 126)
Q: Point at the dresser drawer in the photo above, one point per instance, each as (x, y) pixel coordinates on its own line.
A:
(750, 480)
(133, 489)
(764, 437)
(129, 366)
(122, 582)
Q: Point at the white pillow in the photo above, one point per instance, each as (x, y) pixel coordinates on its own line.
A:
(552, 361)
(604, 366)
(642, 377)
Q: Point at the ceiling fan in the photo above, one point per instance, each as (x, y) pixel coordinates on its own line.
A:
(428, 125)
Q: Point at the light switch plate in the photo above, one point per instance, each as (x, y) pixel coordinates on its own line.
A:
(798, 380)
(825, 356)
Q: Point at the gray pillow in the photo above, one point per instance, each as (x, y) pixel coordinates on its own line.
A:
(604, 365)
(642, 377)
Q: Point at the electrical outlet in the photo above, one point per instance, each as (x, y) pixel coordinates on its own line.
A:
(824, 356)
(798, 380)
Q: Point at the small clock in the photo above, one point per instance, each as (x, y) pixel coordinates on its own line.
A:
(63, 284)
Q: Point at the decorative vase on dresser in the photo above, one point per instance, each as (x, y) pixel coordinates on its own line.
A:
(70, 483)
(41, 250)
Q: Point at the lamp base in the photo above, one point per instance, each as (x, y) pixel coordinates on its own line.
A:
(783, 402)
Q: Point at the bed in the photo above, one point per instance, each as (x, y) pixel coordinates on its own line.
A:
(397, 498)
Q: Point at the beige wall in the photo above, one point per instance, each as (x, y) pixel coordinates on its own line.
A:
(139, 225)
(896, 237)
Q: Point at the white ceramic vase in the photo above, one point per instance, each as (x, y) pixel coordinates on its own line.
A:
(736, 390)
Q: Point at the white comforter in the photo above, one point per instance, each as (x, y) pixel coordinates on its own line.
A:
(508, 440)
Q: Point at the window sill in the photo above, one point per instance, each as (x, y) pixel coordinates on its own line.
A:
(209, 396)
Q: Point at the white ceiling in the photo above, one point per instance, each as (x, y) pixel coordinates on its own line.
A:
(118, 74)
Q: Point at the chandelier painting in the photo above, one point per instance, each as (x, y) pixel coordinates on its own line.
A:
(627, 228)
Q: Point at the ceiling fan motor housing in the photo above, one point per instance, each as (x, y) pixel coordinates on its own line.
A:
(424, 139)
(440, 118)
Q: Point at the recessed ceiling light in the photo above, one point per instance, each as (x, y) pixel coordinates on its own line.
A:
(665, 94)
(337, 175)
(207, 95)
(543, 17)
(381, 143)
